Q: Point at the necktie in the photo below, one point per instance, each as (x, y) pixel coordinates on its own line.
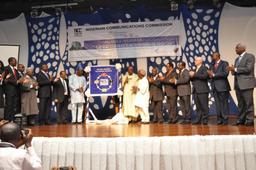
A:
(197, 69)
(239, 60)
(65, 86)
(47, 75)
(14, 73)
(216, 66)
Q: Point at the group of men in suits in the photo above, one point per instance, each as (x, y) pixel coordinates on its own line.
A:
(49, 89)
(174, 85)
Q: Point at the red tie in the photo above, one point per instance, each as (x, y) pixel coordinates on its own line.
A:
(14, 73)
(216, 65)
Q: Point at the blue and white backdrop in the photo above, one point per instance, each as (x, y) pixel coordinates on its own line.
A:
(204, 30)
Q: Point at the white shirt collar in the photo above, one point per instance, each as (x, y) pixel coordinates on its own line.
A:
(218, 61)
(197, 67)
(7, 144)
(12, 67)
(242, 54)
(44, 72)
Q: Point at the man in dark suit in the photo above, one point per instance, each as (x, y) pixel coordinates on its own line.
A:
(200, 90)
(44, 94)
(244, 85)
(184, 92)
(220, 87)
(61, 96)
(171, 92)
(11, 84)
(20, 70)
(156, 95)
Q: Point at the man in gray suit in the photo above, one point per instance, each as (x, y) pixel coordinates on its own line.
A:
(156, 95)
(220, 87)
(184, 92)
(200, 90)
(171, 92)
(244, 85)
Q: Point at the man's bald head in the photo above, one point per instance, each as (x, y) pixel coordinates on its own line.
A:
(198, 61)
(142, 73)
(240, 48)
(11, 133)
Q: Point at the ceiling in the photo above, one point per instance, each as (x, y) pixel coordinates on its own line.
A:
(12, 8)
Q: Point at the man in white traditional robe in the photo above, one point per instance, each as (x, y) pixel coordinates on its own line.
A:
(142, 97)
(129, 81)
(77, 85)
(12, 158)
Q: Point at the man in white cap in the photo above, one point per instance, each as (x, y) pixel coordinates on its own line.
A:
(77, 85)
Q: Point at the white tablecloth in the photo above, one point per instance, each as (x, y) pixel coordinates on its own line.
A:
(149, 153)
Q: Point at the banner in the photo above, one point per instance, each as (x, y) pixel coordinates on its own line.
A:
(104, 80)
(124, 40)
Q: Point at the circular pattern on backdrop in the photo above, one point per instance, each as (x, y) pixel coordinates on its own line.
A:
(204, 37)
(201, 27)
(40, 41)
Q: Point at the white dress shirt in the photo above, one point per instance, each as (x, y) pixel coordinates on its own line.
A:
(19, 159)
(64, 83)
(75, 82)
(142, 95)
(239, 60)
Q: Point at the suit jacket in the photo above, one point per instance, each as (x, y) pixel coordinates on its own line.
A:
(58, 90)
(170, 88)
(156, 91)
(200, 80)
(244, 76)
(10, 85)
(45, 85)
(183, 83)
(220, 80)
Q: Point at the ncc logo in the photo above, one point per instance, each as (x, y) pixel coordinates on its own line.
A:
(78, 32)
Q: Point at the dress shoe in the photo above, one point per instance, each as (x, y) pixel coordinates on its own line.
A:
(219, 122)
(197, 122)
(175, 120)
(225, 121)
(48, 123)
(182, 121)
(187, 121)
(238, 122)
(154, 121)
(144, 122)
(161, 121)
(249, 123)
(205, 122)
(168, 122)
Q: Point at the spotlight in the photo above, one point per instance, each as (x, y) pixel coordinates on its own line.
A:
(190, 4)
(34, 13)
(174, 6)
(216, 3)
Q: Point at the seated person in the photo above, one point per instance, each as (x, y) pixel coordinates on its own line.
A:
(13, 158)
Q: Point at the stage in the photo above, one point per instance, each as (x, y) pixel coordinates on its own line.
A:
(146, 146)
(138, 129)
